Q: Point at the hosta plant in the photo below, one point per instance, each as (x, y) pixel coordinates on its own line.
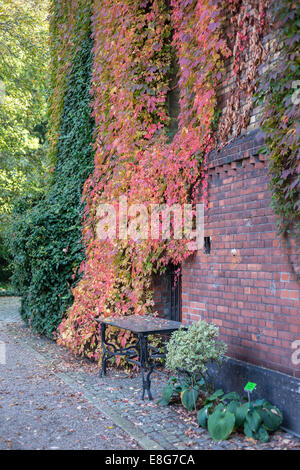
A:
(224, 413)
(188, 390)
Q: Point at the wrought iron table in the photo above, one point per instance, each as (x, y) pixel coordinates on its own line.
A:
(142, 326)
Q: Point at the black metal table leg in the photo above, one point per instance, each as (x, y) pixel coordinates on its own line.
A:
(104, 351)
(144, 364)
(110, 350)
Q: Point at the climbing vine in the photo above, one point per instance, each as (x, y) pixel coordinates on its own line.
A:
(142, 49)
(134, 43)
(69, 25)
(45, 233)
(279, 93)
(135, 46)
(245, 31)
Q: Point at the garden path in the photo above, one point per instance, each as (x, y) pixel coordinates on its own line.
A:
(51, 400)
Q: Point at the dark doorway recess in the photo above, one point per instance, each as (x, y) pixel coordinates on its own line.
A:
(167, 294)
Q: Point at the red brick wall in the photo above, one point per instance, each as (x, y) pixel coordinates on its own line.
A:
(254, 297)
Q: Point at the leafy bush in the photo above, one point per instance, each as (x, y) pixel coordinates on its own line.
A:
(45, 235)
(187, 389)
(193, 349)
(224, 413)
(4, 261)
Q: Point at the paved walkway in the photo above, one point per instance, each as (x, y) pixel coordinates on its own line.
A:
(9, 309)
(50, 399)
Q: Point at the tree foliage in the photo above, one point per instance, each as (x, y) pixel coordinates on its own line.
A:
(24, 57)
(24, 60)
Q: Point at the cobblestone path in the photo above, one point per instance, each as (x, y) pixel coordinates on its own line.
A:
(51, 400)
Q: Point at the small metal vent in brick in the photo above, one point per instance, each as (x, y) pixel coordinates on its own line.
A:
(207, 245)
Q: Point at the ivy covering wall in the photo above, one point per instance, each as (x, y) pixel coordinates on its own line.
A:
(46, 234)
(70, 23)
(125, 149)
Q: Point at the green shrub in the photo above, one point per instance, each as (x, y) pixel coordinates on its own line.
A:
(45, 234)
(188, 389)
(192, 350)
(5, 272)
